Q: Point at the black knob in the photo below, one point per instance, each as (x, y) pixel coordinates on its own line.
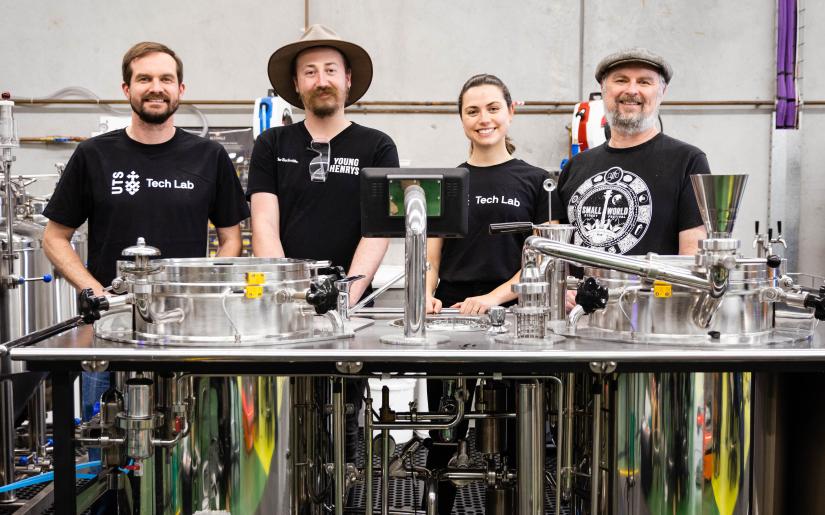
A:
(591, 295)
(90, 306)
(817, 303)
(323, 294)
(774, 261)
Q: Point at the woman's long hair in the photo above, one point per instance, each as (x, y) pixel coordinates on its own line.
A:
(486, 79)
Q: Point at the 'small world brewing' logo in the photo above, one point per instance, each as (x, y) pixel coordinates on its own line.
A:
(611, 210)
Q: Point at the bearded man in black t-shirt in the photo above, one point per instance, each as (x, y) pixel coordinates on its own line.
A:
(304, 177)
(632, 194)
(150, 179)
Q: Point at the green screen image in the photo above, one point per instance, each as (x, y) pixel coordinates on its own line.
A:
(432, 190)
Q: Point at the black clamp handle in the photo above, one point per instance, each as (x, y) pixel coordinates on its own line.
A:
(591, 295)
(817, 303)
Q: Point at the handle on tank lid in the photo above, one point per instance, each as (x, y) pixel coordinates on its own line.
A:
(511, 227)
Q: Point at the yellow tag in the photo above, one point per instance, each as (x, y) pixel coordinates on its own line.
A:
(254, 278)
(662, 290)
(254, 292)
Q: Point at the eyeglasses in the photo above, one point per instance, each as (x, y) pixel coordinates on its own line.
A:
(319, 166)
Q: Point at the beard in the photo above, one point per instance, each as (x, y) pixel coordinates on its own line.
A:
(154, 117)
(324, 107)
(631, 123)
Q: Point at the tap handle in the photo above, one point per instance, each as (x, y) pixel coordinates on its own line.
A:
(344, 284)
(770, 234)
(779, 227)
(756, 228)
(511, 227)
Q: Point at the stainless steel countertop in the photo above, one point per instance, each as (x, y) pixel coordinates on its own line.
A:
(464, 347)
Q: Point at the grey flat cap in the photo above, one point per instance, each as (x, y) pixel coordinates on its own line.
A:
(634, 55)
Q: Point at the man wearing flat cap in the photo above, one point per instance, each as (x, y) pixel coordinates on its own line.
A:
(632, 194)
(304, 177)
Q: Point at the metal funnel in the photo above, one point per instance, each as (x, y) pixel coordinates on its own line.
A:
(718, 197)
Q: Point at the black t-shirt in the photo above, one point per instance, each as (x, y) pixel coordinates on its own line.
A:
(508, 192)
(631, 200)
(165, 193)
(318, 220)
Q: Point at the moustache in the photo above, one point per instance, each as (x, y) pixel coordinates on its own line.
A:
(148, 98)
(324, 90)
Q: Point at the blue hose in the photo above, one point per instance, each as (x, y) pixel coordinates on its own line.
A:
(42, 478)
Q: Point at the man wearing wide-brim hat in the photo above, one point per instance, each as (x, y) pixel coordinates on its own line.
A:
(632, 194)
(304, 177)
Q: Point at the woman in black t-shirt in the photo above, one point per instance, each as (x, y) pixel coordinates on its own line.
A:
(475, 272)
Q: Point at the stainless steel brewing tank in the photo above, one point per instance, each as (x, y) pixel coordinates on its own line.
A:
(217, 303)
(682, 443)
(36, 305)
(635, 307)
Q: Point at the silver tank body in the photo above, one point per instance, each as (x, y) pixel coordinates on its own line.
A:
(213, 294)
(36, 305)
(634, 308)
(681, 441)
(257, 445)
(682, 444)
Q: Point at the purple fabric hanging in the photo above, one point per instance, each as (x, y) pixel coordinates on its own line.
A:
(785, 65)
(781, 103)
(790, 65)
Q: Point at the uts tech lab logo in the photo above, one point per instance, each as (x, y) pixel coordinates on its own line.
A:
(611, 210)
(132, 185)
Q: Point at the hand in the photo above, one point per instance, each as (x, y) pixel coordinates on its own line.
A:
(432, 305)
(569, 300)
(476, 305)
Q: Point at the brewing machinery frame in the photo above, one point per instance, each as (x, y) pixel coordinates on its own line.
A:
(467, 354)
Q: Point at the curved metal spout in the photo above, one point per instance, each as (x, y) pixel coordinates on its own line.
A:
(598, 258)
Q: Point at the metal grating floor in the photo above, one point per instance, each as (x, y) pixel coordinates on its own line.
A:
(406, 493)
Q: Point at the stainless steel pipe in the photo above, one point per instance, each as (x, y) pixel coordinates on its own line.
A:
(37, 420)
(415, 206)
(338, 438)
(601, 259)
(6, 439)
(531, 448)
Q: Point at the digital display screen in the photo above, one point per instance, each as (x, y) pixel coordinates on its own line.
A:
(432, 191)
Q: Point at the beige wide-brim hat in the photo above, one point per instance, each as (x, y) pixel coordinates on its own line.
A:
(281, 63)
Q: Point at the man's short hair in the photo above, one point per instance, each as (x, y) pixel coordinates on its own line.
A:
(145, 48)
(347, 67)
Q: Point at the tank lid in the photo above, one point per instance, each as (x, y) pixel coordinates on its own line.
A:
(141, 249)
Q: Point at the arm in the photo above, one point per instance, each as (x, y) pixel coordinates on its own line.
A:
(57, 244)
(689, 240)
(368, 256)
(266, 232)
(481, 304)
(434, 246)
(229, 241)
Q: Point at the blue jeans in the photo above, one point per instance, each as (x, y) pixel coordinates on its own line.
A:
(92, 386)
